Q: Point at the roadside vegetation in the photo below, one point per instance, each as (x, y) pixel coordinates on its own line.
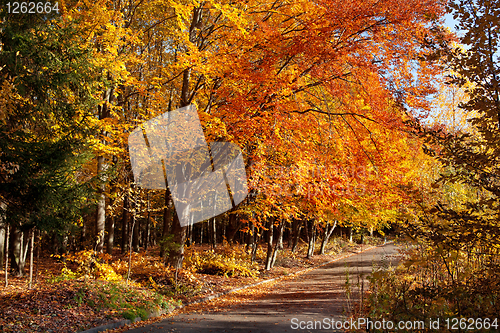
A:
(452, 269)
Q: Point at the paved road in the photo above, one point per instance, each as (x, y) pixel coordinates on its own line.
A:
(313, 296)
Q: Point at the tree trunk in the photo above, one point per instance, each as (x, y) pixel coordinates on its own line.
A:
(55, 244)
(308, 231)
(350, 234)
(83, 240)
(103, 113)
(201, 232)
(31, 257)
(233, 226)
(279, 243)
(145, 239)
(250, 238)
(256, 240)
(312, 240)
(111, 235)
(19, 251)
(136, 233)
(64, 243)
(130, 247)
(136, 230)
(290, 233)
(111, 221)
(176, 254)
(167, 216)
(24, 248)
(2, 241)
(189, 234)
(39, 241)
(296, 234)
(3, 229)
(147, 233)
(135, 227)
(7, 236)
(269, 244)
(223, 228)
(125, 218)
(280, 233)
(101, 205)
(214, 233)
(326, 237)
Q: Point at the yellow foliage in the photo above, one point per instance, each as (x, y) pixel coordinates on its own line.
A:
(227, 261)
(92, 265)
(143, 266)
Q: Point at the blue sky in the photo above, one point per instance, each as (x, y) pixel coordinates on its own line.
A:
(450, 22)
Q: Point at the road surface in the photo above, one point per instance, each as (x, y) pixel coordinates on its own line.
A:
(321, 295)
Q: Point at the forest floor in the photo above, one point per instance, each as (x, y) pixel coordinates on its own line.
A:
(78, 293)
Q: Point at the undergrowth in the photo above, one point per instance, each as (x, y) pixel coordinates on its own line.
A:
(153, 285)
(229, 261)
(122, 299)
(437, 283)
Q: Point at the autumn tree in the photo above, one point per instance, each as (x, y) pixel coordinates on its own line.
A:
(47, 91)
(470, 156)
(310, 91)
(265, 69)
(456, 218)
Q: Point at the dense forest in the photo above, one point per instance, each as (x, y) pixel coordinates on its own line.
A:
(354, 119)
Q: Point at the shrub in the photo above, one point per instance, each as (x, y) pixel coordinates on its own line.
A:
(436, 283)
(227, 261)
(90, 264)
(144, 267)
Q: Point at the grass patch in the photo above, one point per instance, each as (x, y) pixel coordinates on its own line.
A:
(121, 298)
